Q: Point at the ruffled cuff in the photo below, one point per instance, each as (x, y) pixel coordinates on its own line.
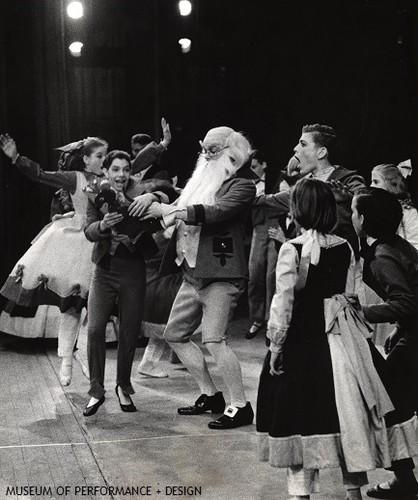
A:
(277, 334)
(275, 347)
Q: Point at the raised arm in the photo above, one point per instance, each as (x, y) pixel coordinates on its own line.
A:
(282, 303)
(237, 199)
(278, 203)
(59, 179)
(152, 151)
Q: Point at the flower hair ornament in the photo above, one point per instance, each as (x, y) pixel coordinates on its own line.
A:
(72, 146)
(70, 149)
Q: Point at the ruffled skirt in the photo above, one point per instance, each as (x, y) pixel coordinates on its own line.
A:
(56, 270)
(331, 407)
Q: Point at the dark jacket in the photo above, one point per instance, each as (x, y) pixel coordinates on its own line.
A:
(279, 203)
(221, 244)
(391, 270)
(156, 172)
(350, 178)
(144, 245)
(147, 156)
(353, 182)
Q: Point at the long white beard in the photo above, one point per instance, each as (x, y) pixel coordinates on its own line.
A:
(206, 180)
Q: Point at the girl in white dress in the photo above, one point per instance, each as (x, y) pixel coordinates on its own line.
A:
(56, 269)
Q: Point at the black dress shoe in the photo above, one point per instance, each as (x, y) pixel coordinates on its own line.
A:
(234, 417)
(254, 330)
(91, 410)
(396, 492)
(129, 408)
(204, 403)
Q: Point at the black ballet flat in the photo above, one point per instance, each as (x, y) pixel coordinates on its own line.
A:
(127, 408)
(91, 410)
(258, 328)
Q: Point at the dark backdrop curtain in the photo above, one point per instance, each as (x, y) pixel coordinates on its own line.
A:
(50, 79)
(34, 110)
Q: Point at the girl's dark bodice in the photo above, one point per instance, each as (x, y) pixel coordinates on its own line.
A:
(324, 280)
(330, 275)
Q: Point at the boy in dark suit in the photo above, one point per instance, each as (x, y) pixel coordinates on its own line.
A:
(314, 154)
(121, 243)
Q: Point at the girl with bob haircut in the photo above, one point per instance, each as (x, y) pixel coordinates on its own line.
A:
(318, 210)
(321, 400)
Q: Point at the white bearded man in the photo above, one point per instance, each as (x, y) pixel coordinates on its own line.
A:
(208, 245)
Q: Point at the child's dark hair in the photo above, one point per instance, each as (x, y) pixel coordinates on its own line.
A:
(73, 160)
(141, 139)
(112, 155)
(381, 210)
(313, 205)
(258, 155)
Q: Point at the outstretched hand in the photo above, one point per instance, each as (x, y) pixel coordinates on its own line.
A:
(341, 192)
(8, 146)
(166, 132)
(140, 204)
(154, 211)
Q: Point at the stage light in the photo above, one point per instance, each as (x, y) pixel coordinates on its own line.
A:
(185, 7)
(75, 49)
(185, 44)
(75, 10)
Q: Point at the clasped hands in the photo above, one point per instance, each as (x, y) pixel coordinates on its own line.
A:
(168, 213)
(145, 207)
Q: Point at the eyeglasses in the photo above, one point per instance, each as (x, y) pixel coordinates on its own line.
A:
(211, 152)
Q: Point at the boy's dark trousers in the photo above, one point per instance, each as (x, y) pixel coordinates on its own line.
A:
(122, 278)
